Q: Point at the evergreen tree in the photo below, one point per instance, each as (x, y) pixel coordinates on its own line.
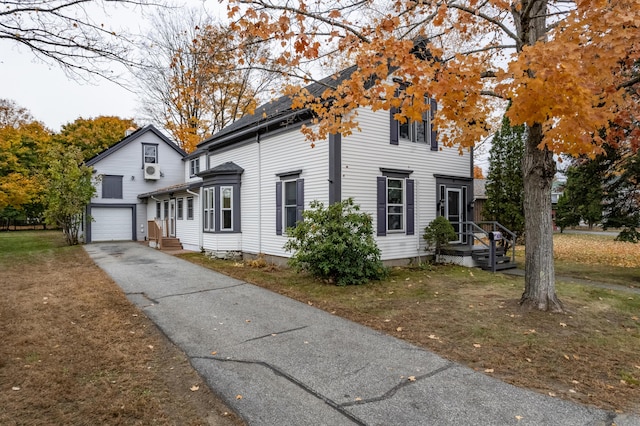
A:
(621, 205)
(583, 193)
(505, 199)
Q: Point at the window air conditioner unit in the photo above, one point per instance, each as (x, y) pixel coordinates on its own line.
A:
(151, 171)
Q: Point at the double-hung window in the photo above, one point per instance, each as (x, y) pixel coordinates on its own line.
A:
(415, 131)
(221, 198)
(208, 213)
(150, 153)
(194, 166)
(395, 202)
(180, 207)
(290, 203)
(226, 208)
(289, 200)
(189, 208)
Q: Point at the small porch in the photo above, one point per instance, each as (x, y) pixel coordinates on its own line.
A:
(159, 237)
(474, 249)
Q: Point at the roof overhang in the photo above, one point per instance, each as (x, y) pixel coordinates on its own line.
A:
(182, 187)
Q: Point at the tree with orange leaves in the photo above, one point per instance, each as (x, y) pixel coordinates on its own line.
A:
(194, 83)
(563, 67)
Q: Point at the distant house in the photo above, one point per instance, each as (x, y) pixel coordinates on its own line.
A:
(143, 161)
(479, 199)
(244, 186)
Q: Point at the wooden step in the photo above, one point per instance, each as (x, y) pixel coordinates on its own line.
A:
(170, 243)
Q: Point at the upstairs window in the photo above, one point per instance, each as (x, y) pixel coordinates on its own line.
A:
(194, 167)
(150, 153)
(415, 131)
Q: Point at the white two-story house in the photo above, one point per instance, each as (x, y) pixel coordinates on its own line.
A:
(143, 161)
(244, 186)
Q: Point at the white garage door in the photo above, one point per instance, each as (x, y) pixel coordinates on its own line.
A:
(111, 224)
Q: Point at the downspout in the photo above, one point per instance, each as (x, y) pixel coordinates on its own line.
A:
(417, 220)
(259, 194)
(200, 233)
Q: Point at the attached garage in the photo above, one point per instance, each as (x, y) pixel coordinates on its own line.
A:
(111, 223)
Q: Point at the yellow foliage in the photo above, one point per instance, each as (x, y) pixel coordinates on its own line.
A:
(596, 250)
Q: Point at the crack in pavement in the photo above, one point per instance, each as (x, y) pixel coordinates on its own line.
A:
(143, 294)
(397, 387)
(293, 380)
(276, 333)
(200, 291)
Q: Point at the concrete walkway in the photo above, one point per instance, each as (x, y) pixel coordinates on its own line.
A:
(280, 362)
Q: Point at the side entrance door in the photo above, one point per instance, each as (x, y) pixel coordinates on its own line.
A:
(453, 209)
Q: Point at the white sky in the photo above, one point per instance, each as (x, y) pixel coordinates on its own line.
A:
(55, 99)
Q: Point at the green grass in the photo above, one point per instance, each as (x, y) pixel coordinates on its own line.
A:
(23, 243)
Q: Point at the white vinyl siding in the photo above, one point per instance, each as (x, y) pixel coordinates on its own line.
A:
(365, 153)
(127, 162)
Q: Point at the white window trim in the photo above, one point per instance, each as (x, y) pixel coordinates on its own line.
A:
(208, 210)
(413, 132)
(194, 166)
(223, 209)
(190, 212)
(144, 153)
(401, 205)
(180, 209)
(285, 225)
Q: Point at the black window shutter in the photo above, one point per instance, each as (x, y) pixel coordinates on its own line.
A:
(278, 208)
(299, 199)
(410, 197)
(382, 205)
(393, 126)
(434, 133)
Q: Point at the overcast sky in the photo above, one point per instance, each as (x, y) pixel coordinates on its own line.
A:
(53, 98)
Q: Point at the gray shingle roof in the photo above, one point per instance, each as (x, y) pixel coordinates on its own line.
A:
(272, 113)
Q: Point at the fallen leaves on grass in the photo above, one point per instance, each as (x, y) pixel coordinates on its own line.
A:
(194, 388)
(604, 251)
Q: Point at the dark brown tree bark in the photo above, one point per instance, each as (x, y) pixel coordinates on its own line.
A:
(538, 168)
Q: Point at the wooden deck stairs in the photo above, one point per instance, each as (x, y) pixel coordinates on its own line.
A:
(170, 243)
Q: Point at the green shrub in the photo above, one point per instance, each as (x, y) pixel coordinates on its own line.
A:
(336, 244)
(438, 233)
(629, 235)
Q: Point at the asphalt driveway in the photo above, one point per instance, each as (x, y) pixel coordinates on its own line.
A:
(280, 362)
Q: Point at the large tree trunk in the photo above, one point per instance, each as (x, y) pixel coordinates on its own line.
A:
(538, 168)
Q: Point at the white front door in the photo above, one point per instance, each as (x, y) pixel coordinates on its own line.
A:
(453, 210)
